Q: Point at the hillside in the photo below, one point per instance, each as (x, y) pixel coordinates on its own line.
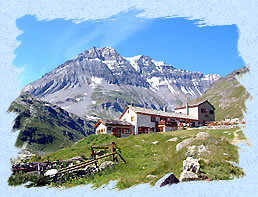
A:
(227, 95)
(149, 157)
(44, 127)
(101, 82)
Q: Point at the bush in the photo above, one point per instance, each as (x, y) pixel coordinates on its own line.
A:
(22, 178)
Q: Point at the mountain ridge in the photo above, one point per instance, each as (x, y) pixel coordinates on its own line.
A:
(227, 95)
(44, 127)
(75, 85)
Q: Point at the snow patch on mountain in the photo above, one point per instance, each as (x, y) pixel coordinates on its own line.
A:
(110, 63)
(133, 61)
(96, 80)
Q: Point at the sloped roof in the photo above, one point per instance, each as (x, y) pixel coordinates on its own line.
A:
(154, 112)
(113, 122)
(194, 104)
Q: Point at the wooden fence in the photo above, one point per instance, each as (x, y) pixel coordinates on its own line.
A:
(94, 158)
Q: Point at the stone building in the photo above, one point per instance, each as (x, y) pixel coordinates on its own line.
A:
(204, 111)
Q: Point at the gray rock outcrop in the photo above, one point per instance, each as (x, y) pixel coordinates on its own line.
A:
(170, 180)
(191, 168)
(192, 165)
(202, 135)
(183, 144)
(187, 176)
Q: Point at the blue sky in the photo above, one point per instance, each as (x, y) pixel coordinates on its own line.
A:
(176, 41)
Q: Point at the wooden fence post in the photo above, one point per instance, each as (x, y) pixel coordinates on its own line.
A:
(93, 155)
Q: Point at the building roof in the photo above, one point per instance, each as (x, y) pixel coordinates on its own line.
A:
(153, 112)
(113, 122)
(194, 105)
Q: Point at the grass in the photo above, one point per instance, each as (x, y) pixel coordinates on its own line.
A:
(228, 96)
(45, 127)
(144, 158)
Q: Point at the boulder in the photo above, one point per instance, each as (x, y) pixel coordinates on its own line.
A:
(202, 135)
(170, 180)
(191, 165)
(150, 176)
(90, 169)
(172, 139)
(106, 164)
(188, 176)
(51, 172)
(192, 150)
(155, 142)
(183, 144)
(202, 149)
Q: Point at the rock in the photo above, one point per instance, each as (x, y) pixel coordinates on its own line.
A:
(76, 158)
(183, 144)
(150, 176)
(155, 142)
(90, 169)
(223, 138)
(191, 151)
(172, 139)
(191, 165)
(106, 164)
(80, 172)
(51, 172)
(202, 149)
(202, 135)
(170, 180)
(188, 176)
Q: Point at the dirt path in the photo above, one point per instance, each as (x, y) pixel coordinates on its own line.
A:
(236, 140)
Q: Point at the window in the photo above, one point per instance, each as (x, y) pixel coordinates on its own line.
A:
(153, 119)
(132, 118)
(127, 131)
(211, 111)
(204, 110)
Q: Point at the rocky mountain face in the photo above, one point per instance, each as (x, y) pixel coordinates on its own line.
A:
(228, 96)
(100, 82)
(44, 127)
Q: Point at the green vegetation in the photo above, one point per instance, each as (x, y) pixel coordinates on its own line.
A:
(45, 127)
(228, 96)
(145, 158)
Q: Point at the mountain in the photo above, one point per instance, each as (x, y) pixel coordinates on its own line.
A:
(100, 82)
(44, 127)
(227, 95)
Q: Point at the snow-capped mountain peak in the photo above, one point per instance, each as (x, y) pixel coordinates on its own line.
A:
(101, 77)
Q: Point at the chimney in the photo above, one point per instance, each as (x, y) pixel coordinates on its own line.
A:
(187, 108)
(132, 104)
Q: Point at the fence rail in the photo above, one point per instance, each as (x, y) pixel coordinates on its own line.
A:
(95, 159)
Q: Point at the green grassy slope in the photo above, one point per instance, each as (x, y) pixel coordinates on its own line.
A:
(228, 96)
(144, 158)
(45, 127)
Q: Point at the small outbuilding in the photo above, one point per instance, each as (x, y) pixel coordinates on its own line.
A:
(117, 128)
